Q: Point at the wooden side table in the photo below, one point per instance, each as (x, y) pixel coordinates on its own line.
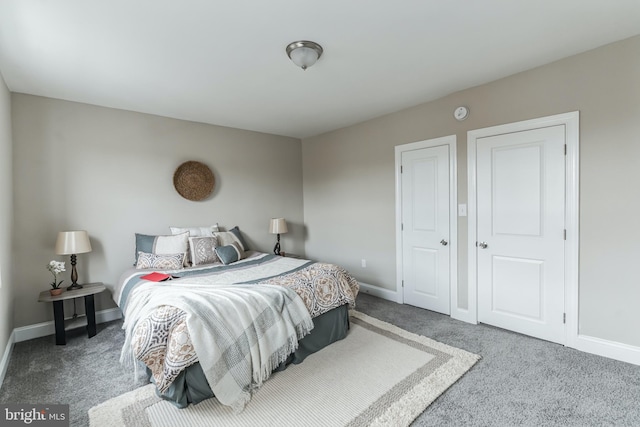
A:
(87, 291)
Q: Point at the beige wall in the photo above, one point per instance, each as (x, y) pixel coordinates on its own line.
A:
(349, 194)
(78, 166)
(6, 217)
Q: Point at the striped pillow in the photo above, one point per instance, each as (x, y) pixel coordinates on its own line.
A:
(162, 245)
(229, 237)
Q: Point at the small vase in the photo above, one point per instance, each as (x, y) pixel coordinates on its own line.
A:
(55, 292)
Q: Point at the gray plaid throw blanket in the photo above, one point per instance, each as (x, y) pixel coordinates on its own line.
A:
(240, 333)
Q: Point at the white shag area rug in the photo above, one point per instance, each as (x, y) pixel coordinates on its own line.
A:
(379, 375)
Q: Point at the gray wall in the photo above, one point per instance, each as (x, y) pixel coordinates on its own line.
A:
(349, 194)
(110, 172)
(6, 216)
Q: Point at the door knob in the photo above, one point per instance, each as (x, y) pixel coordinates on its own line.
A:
(483, 245)
(444, 242)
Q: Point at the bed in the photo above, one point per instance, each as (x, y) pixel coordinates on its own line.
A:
(221, 329)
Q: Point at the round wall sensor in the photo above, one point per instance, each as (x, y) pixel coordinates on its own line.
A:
(461, 113)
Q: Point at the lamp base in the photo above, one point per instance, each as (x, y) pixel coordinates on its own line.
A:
(74, 275)
(74, 286)
(276, 248)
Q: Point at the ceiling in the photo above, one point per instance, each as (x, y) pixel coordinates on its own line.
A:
(224, 62)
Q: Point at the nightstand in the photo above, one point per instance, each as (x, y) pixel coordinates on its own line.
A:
(87, 291)
(289, 255)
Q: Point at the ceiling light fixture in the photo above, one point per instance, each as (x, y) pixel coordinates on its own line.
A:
(304, 53)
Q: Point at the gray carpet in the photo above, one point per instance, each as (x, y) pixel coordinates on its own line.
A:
(519, 381)
(82, 373)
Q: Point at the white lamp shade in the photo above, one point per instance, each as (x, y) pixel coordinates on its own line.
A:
(72, 242)
(278, 226)
(304, 57)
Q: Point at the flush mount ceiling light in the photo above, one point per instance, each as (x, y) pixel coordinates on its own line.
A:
(304, 53)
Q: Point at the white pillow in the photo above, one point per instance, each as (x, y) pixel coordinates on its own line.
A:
(206, 231)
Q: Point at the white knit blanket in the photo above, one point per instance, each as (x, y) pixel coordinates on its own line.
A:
(240, 332)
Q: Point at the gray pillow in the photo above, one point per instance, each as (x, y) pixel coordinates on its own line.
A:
(230, 253)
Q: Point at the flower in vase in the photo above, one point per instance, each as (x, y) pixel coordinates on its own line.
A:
(55, 267)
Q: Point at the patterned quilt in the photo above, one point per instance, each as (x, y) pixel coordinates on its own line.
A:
(162, 340)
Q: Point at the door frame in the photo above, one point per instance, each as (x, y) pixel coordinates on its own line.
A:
(571, 122)
(453, 218)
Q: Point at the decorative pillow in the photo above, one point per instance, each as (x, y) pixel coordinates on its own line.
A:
(230, 253)
(235, 230)
(160, 262)
(196, 231)
(162, 245)
(203, 250)
(206, 230)
(226, 238)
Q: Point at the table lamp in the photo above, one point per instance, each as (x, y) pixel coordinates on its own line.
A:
(72, 243)
(277, 226)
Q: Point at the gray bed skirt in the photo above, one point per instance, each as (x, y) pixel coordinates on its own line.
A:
(191, 386)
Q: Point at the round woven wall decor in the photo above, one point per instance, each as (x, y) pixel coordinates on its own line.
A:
(193, 180)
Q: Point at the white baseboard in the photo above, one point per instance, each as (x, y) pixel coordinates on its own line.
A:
(611, 349)
(598, 346)
(379, 292)
(43, 329)
(463, 315)
(4, 363)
